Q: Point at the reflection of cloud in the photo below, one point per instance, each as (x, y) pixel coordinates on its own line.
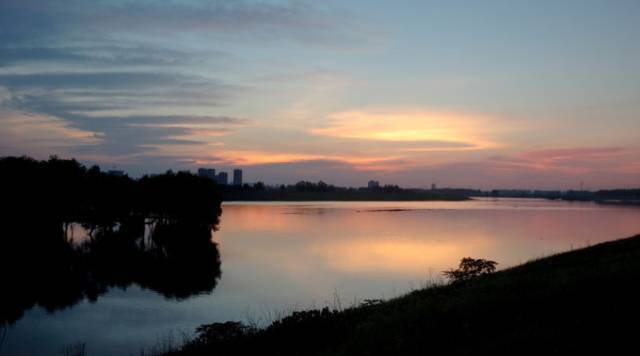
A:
(439, 130)
(400, 256)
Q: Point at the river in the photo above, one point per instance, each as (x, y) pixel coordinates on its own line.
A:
(283, 256)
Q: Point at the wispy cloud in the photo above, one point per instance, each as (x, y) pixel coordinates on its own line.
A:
(572, 154)
(39, 134)
(138, 75)
(285, 87)
(124, 106)
(299, 20)
(106, 80)
(98, 54)
(575, 160)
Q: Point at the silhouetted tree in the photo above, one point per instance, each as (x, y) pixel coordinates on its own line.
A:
(470, 268)
(43, 266)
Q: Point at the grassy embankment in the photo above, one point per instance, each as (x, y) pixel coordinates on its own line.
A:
(583, 301)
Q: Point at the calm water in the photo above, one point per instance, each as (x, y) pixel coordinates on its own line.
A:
(277, 257)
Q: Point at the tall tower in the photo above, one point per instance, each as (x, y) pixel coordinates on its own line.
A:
(207, 173)
(222, 178)
(237, 177)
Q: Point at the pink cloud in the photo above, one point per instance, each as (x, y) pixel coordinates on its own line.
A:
(577, 153)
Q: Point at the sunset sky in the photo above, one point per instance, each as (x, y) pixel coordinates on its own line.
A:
(482, 94)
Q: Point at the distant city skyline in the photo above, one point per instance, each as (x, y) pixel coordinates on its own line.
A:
(238, 179)
(492, 94)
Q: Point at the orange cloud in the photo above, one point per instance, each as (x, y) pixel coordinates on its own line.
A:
(266, 157)
(453, 131)
(374, 140)
(250, 158)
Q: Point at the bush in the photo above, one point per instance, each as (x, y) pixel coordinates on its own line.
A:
(470, 268)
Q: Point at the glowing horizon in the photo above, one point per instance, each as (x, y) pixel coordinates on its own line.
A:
(482, 96)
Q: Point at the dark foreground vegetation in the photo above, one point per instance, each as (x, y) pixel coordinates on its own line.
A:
(321, 191)
(580, 302)
(66, 191)
(154, 232)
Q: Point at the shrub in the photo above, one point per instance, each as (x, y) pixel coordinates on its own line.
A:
(470, 268)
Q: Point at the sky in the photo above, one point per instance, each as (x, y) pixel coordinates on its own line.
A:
(482, 94)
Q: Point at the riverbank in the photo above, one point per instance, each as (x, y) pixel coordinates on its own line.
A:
(272, 196)
(620, 202)
(579, 301)
(320, 191)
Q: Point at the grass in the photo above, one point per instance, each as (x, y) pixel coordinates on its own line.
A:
(166, 343)
(583, 301)
(77, 349)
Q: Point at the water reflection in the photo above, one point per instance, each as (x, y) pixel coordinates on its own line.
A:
(284, 256)
(404, 240)
(367, 256)
(46, 264)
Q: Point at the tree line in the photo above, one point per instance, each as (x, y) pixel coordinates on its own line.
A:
(306, 190)
(67, 191)
(154, 232)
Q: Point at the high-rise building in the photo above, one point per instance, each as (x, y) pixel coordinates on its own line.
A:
(207, 173)
(373, 184)
(237, 177)
(222, 178)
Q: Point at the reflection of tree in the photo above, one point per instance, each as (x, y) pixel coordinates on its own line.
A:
(43, 267)
(176, 259)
